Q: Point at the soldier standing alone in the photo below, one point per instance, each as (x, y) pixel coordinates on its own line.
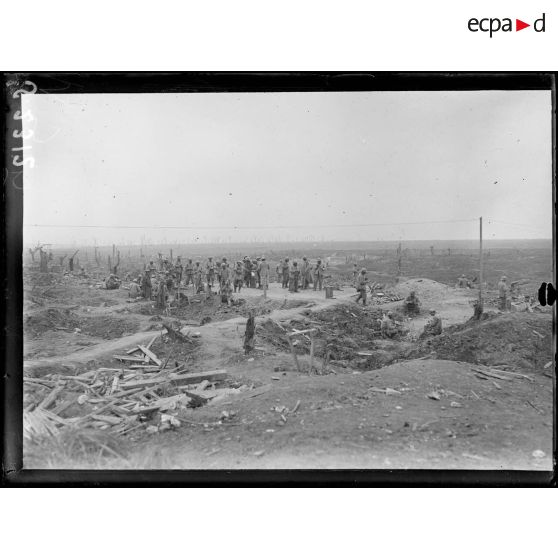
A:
(362, 284)
(318, 275)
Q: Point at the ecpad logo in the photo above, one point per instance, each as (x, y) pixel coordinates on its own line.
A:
(492, 25)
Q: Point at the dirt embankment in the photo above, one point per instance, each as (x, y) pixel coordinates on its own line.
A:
(349, 336)
(519, 340)
(63, 319)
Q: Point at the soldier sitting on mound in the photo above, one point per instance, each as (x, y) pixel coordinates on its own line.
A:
(388, 327)
(433, 326)
(412, 304)
(135, 290)
(112, 282)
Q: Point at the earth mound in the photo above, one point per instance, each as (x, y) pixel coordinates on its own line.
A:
(517, 340)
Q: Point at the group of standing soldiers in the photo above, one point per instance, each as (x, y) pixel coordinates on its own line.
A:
(291, 276)
(252, 273)
(231, 277)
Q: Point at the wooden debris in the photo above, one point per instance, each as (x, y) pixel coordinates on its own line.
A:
(175, 334)
(129, 358)
(151, 355)
(517, 374)
(179, 379)
(301, 332)
(61, 407)
(148, 346)
(50, 398)
(106, 418)
(492, 374)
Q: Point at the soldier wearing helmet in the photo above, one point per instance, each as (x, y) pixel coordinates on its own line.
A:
(503, 290)
(264, 274)
(318, 275)
(285, 271)
(305, 270)
(433, 326)
(388, 327)
(362, 284)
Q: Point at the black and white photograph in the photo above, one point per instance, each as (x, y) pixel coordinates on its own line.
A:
(220, 279)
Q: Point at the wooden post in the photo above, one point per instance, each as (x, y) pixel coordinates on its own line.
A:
(481, 265)
(311, 352)
(294, 353)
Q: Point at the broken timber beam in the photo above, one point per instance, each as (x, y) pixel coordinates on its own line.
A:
(151, 355)
(178, 379)
(50, 398)
(148, 346)
(130, 358)
(301, 332)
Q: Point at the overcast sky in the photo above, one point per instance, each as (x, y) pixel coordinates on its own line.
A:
(289, 165)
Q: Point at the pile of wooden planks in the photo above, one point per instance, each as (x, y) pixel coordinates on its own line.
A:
(114, 399)
(382, 298)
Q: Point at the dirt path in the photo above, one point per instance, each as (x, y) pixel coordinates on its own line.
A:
(214, 335)
(221, 339)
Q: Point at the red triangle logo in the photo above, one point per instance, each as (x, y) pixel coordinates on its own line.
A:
(519, 25)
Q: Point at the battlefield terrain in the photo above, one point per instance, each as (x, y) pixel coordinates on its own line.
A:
(116, 382)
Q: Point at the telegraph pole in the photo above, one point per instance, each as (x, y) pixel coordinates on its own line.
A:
(481, 267)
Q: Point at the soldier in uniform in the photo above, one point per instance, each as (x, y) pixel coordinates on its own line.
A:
(362, 284)
(388, 327)
(293, 278)
(433, 326)
(258, 273)
(146, 284)
(304, 272)
(210, 271)
(247, 271)
(238, 276)
(462, 282)
(412, 304)
(189, 271)
(135, 290)
(264, 275)
(355, 274)
(198, 283)
(318, 275)
(178, 269)
(285, 272)
(253, 274)
(503, 291)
